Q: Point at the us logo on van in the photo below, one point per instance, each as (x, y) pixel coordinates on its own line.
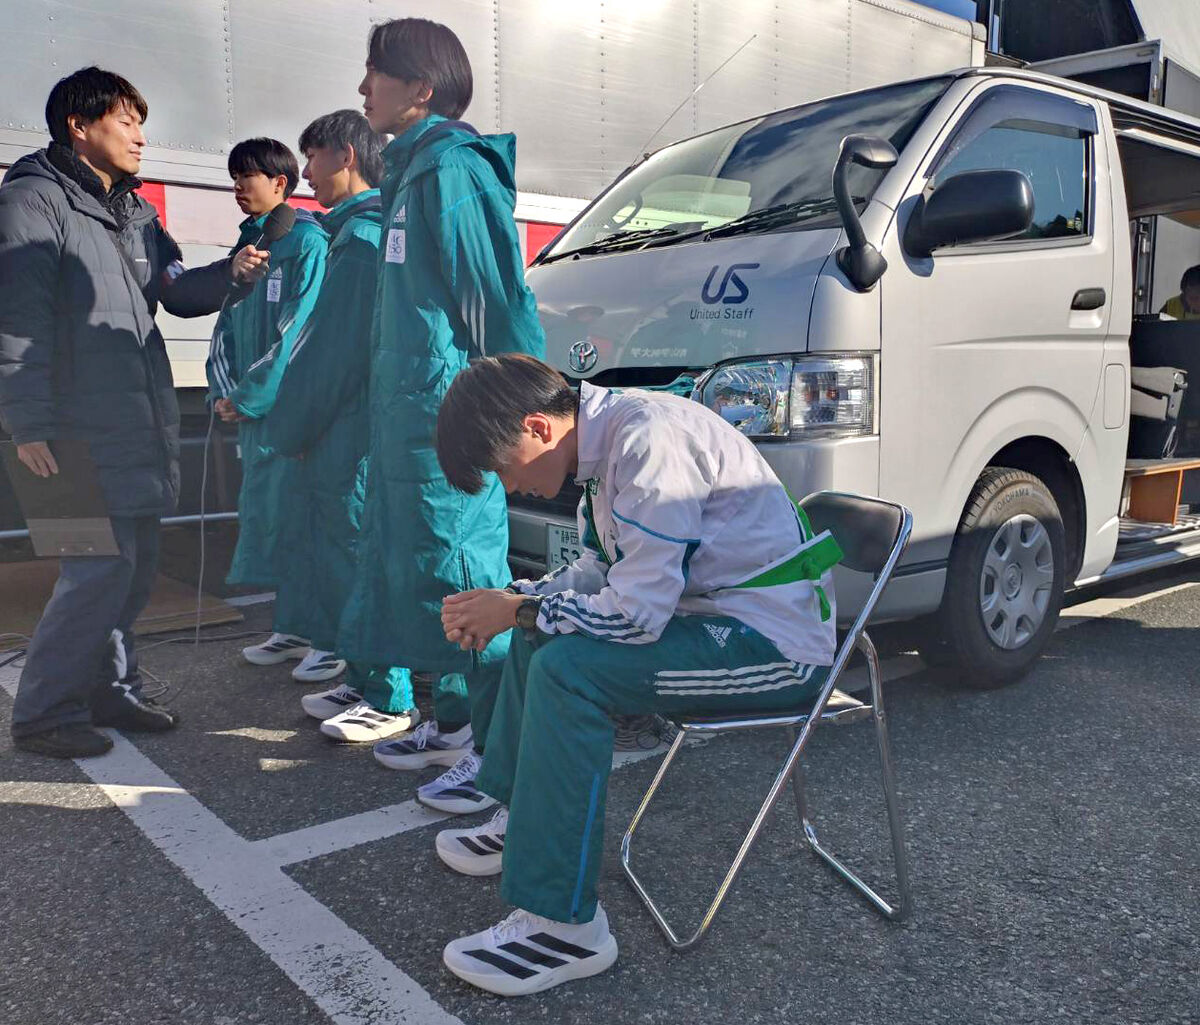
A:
(732, 290)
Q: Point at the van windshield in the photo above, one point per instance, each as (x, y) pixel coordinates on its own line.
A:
(758, 175)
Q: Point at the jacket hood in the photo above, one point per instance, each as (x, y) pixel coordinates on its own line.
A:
(405, 151)
(365, 204)
(38, 165)
(251, 228)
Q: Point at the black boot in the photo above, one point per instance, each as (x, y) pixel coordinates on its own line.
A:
(74, 740)
(121, 707)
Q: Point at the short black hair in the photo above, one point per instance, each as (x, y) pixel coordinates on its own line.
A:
(267, 156)
(1190, 279)
(344, 129)
(89, 93)
(416, 48)
(483, 413)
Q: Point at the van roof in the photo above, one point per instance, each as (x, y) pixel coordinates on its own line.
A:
(1128, 113)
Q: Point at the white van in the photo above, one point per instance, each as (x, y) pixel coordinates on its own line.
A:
(954, 334)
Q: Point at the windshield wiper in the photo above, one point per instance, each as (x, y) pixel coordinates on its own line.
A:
(777, 216)
(632, 239)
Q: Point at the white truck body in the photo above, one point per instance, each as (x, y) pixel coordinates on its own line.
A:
(583, 85)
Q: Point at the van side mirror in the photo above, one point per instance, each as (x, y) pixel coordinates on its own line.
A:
(975, 206)
(860, 261)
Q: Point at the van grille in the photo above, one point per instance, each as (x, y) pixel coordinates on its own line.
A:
(637, 377)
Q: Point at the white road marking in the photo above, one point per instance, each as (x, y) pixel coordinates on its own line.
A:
(341, 834)
(344, 974)
(380, 823)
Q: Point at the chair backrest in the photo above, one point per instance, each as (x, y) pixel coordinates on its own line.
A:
(867, 529)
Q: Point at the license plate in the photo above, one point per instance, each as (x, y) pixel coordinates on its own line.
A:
(562, 545)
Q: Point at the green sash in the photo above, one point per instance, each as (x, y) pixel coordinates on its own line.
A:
(810, 563)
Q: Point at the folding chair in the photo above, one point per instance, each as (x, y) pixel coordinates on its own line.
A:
(873, 535)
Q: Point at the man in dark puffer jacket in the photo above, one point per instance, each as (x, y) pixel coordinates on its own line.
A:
(84, 263)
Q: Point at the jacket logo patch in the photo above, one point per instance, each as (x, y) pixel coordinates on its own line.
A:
(275, 285)
(720, 634)
(401, 215)
(396, 246)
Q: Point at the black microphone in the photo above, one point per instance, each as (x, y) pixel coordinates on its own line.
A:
(278, 223)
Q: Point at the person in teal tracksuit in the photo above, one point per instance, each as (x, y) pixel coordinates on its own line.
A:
(251, 342)
(320, 414)
(451, 287)
(701, 588)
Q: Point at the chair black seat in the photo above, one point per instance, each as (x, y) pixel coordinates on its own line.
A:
(866, 529)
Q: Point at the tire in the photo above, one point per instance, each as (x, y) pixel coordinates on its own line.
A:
(1005, 579)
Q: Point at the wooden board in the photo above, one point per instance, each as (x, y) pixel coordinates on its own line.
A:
(25, 588)
(1150, 467)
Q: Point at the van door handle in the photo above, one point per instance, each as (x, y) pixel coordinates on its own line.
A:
(1089, 299)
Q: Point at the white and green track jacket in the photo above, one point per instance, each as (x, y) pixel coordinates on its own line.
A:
(681, 515)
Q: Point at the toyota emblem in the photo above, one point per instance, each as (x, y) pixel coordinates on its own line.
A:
(583, 356)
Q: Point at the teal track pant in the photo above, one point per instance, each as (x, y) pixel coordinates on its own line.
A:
(457, 697)
(549, 750)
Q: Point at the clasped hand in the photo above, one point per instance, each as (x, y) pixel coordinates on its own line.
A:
(228, 412)
(471, 619)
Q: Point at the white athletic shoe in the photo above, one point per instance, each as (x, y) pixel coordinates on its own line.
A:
(362, 723)
(477, 851)
(275, 649)
(318, 666)
(326, 704)
(527, 953)
(454, 791)
(424, 746)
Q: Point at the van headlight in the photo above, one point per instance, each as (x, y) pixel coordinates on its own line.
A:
(794, 397)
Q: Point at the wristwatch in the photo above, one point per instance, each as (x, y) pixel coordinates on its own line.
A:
(527, 613)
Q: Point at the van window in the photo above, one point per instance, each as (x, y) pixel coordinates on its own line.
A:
(767, 173)
(1047, 138)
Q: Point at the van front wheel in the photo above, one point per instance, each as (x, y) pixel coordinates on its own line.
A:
(1004, 586)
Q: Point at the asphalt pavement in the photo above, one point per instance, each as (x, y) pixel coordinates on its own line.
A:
(243, 869)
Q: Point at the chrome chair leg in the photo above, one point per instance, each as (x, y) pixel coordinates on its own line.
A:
(781, 781)
(799, 785)
(901, 909)
(791, 771)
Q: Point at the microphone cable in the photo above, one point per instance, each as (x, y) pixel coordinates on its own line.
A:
(212, 416)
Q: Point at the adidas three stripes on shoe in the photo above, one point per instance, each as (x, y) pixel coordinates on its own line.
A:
(275, 649)
(426, 745)
(363, 723)
(478, 851)
(527, 953)
(454, 791)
